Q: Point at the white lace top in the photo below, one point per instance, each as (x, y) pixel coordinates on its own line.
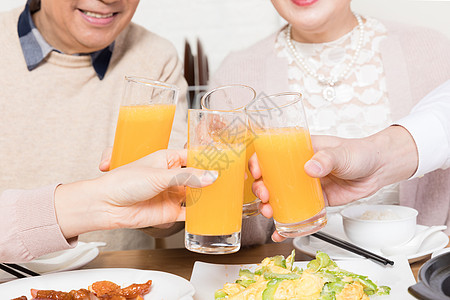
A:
(361, 106)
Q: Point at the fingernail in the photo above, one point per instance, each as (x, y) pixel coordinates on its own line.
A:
(314, 166)
(209, 177)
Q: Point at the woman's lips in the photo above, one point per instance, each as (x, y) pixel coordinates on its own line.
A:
(304, 2)
(97, 18)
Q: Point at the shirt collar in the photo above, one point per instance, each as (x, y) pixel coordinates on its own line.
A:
(35, 49)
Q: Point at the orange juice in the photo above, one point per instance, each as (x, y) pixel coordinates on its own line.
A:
(248, 193)
(216, 209)
(282, 154)
(141, 130)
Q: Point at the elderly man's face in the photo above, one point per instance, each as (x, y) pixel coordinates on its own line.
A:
(82, 26)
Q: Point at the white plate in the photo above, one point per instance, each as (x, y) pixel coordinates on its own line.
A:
(439, 252)
(63, 260)
(164, 285)
(310, 245)
(207, 278)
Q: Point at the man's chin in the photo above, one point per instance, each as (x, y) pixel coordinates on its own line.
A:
(94, 42)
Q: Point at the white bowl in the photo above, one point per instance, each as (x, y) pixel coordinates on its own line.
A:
(384, 225)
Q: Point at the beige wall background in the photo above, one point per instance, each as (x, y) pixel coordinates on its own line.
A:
(224, 26)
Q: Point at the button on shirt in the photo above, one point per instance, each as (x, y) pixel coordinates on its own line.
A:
(35, 49)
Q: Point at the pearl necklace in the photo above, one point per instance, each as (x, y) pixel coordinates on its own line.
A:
(329, 92)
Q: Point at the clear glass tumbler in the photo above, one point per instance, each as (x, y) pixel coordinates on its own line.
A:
(145, 119)
(283, 146)
(216, 141)
(235, 97)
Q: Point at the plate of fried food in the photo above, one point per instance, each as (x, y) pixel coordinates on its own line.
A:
(125, 284)
(322, 279)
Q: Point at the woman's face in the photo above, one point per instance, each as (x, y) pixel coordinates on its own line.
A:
(316, 21)
(83, 26)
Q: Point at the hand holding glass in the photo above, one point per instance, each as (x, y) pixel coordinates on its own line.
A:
(283, 146)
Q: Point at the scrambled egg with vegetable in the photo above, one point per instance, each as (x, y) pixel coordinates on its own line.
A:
(276, 279)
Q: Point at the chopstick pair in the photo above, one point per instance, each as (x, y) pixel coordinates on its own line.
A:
(16, 270)
(352, 248)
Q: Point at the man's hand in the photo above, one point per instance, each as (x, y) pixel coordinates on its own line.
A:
(351, 169)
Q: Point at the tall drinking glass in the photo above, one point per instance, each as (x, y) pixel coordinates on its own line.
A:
(283, 146)
(145, 119)
(216, 141)
(235, 97)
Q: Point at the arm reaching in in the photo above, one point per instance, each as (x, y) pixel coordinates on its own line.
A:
(351, 169)
(144, 193)
(147, 192)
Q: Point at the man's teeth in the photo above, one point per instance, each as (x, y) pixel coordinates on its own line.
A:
(95, 15)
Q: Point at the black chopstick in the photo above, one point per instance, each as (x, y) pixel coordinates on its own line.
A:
(11, 271)
(23, 269)
(14, 268)
(352, 248)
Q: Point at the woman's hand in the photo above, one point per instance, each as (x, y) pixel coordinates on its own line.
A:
(144, 193)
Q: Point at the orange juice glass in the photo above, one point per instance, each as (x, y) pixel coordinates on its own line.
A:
(145, 119)
(234, 97)
(283, 146)
(216, 141)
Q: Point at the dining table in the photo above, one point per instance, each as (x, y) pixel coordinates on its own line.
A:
(180, 261)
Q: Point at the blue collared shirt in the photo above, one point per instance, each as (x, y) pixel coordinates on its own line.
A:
(35, 49)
